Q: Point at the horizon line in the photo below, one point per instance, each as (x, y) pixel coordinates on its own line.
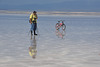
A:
(50, 12)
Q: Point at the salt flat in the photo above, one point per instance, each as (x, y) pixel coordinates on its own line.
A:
(79, 47)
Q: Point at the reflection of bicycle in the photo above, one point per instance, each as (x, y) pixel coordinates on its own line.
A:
(60, 24)
(60, 34)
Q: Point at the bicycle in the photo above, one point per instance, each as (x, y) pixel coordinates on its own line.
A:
(60, 24)
(61, 33)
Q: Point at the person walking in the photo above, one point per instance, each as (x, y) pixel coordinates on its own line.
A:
(33, 22)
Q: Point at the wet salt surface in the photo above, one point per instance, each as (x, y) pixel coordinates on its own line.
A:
(79, 47)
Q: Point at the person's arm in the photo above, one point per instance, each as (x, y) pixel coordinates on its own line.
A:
(30, 19)
(36, 16)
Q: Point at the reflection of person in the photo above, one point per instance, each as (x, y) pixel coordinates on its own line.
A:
(33, 21)
(60, 34)
(32, 48)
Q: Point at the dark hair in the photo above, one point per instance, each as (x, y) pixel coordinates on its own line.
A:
(34, 12)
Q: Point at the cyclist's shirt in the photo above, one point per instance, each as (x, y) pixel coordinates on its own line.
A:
(33, 17)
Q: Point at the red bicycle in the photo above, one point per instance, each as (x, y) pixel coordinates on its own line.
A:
(60, 24)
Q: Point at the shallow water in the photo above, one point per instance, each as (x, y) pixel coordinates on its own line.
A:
(79, 46)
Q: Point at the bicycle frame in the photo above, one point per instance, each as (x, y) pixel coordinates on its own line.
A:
(60, 24)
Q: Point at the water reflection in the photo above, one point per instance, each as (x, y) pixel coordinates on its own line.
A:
(61, 33)
(32, 48)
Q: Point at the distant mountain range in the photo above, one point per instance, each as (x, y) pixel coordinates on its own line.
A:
(80, 6)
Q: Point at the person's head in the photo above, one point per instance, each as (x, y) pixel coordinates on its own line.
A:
(34, 12)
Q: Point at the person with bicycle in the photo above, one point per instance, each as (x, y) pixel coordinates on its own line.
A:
(33, 22)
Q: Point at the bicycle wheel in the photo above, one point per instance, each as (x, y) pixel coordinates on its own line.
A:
(57, 26)
(63, 27)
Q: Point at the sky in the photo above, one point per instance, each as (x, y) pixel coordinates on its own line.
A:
(51, 5)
